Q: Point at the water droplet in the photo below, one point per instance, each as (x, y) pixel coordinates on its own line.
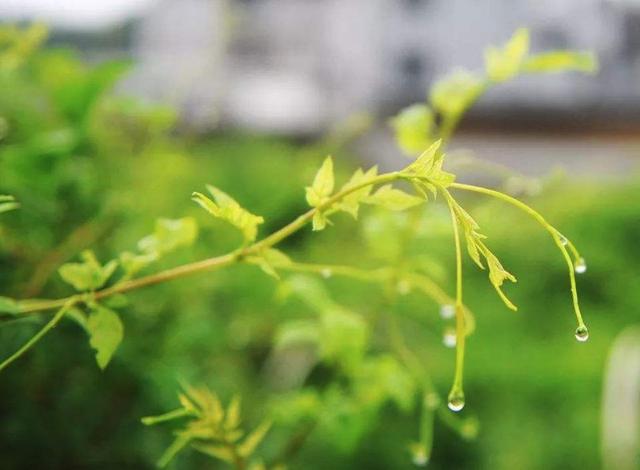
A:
(447, 311)
(449, 338)
(580, 266)
(403, 287)
(563, 239)
(470, 428)
(326, 273)
(582, 333)
(456, 400)
(419, 456)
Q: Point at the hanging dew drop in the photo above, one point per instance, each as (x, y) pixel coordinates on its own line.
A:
(403, 287)
(326, 273)
(456, 401)
(582, 333)
(447, 311)
(419, 456)
(580, 266)
(449, 338)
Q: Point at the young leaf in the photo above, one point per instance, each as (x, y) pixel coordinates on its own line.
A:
(322, 186)
(106, 332)
(226, 208)
(505, 63)
(453, 94)
(169, 234)
(253, 440)
(88, 275)
(561, 61)
(393, 199)
(133, 263)
(351, 202)
(217, 451)
(413, 127)
(269, 260)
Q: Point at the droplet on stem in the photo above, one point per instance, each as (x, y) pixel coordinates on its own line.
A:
(403, 287)
(582, 333)
(563, 239)
(456, 400)
(449, 338)
(447, 311)
(580, 266)
(419, 455)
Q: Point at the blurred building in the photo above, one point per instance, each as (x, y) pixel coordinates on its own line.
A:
(294, 66)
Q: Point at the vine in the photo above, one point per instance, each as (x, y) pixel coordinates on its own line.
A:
(215, 431)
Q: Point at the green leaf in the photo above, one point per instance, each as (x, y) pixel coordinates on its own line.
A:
(383, 378)
(319, 221)
(132, 263)
(106, 332)
(88, 275)
(232, 417)
(269, 259)
(180, 442)
(322, 186)
(393, 199)
(351, 202)
(253, 440)
(505, 63)
(413, 126)
(453, 94)
(561, 61)
(217, 451)
(169, 235)
(8, 305)
(343, 338)
(226, 208)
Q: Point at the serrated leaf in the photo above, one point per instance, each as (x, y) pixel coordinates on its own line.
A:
(268, 260)
(253, 440)
(169, 234)
(561, 61)
(413, 126)
(180, 442)
(319, 221)
(453, 94)
(226, 208)
(351, 202)
(106, 332)
(232, 417)
(393, 199)
(88, 275)
(505, 63)
(323, 184)
(217, 451)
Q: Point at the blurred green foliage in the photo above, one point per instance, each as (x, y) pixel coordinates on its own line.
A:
(91, 168)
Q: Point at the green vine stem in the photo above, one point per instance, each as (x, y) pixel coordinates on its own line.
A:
(555, 234)
(456, 395)
(70, 302)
